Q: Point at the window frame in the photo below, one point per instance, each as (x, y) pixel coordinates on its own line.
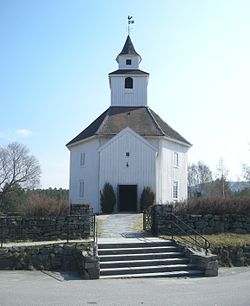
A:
(129, 83)
(81, 189)
(176, 160)
(82, 159)
(175, 190)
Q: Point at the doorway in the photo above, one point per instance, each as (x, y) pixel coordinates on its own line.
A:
(127, 197)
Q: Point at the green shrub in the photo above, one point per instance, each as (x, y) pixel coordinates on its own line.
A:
(108, 198)
(147, 198)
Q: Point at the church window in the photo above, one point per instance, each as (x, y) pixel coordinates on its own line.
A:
(176, 159)
(175, 190)
(128, 82)
(81, 189)
(127, 154)
(128, 62)
(82, 159)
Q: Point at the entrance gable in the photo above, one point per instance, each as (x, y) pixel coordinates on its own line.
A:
(128, 133)
(127, 160)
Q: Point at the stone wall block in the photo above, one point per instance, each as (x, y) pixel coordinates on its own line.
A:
(208, 264)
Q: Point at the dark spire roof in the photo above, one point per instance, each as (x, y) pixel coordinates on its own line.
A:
(128, 48)
(142, 120)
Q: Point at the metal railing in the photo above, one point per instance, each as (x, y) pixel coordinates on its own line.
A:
(95, 242)
(175, 227)
(187, 233)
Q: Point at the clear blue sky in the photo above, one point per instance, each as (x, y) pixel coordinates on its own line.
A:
(55, 56)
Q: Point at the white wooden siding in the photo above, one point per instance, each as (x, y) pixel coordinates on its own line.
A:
(88, 174)
(141, 169)
(121, 96)
(167, 173)
(134, 62)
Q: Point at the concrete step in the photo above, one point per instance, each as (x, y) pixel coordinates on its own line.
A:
(147, 269)
(144, 262)
(142, 256)
(148, 258)
(108, 245)
(137, 250)
(188, 273)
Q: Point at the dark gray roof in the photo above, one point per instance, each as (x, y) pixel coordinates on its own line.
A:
(142, 120)
(129, 71)
(128, 48)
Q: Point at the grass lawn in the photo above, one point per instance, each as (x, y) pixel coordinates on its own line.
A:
(228, 239)
(222, 239)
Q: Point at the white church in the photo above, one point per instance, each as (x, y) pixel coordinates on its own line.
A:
(128, 146)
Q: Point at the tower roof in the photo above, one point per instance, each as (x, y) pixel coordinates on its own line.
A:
(128, 49)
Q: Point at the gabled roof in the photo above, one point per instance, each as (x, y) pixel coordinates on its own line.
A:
(128, 48)
(142, 120)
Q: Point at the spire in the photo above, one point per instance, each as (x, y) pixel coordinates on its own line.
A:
(128, 49)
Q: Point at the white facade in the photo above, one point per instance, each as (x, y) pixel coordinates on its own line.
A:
(87, 173)
(151, 162)
(126, 158)
(168, 172)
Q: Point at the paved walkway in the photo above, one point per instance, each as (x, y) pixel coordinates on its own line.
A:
(122, 225)
(36, 288)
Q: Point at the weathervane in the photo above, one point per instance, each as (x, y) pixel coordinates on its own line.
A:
(130, 21)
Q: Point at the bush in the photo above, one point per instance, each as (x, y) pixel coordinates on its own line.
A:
(38, 205)
(214, 206)
(13, 200)
(147, 198)
(108, 198)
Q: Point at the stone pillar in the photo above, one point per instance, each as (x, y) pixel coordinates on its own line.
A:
(208, 264)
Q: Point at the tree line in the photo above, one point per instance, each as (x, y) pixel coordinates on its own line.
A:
(20, 174)
(203, 183)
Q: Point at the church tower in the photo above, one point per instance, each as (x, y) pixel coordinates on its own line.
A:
(128, 84)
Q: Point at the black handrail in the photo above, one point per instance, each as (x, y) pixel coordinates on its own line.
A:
(95, 229)
(95, 245)
(206, 243)
(1, 232)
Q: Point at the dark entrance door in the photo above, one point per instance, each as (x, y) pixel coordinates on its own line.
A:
(128, 197)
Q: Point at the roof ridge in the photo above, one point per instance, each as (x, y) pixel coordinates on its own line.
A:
(104, 120)
(155, 122)
(170, 127)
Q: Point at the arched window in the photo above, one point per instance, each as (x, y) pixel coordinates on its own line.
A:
(128, 82)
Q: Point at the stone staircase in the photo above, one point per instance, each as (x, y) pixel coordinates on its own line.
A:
(146, 257)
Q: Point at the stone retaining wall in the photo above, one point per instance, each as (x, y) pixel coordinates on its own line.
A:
(80, 209)
(207, 224)
(14, 228)
(229, 256)
(55, 257)
(210, 224)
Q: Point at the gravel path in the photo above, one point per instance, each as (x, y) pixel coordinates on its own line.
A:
(119, 225)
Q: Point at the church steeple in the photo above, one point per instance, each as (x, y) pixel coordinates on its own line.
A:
(128, 52)
(128, 84)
